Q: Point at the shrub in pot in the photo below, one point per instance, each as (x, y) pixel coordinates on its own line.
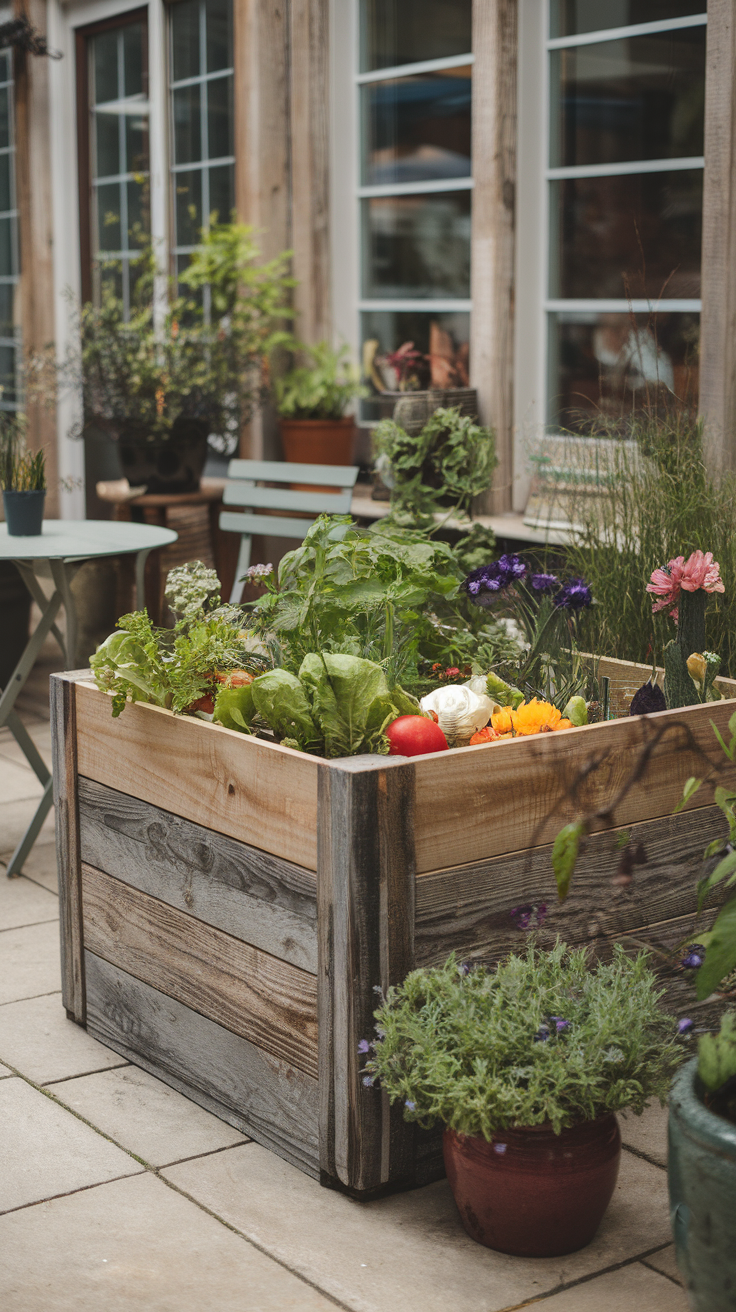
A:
(446, 464)
(312, 400)
(526, 1066)
(22, 478)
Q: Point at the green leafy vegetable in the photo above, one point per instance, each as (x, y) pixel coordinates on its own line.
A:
(565, 854)
(717, 1054)
(234, 707)
(280, 699)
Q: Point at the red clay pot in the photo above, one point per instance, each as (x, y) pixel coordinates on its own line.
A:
(318, 441)
(531, 1192)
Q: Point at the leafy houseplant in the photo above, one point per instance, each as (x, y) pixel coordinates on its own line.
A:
(160, 379)
(448, 463)
(525, 1067)
(312, 400)
(22, 478)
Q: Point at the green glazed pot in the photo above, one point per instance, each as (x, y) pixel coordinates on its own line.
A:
(702, 1180)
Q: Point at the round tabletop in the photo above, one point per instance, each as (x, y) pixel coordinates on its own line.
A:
(82, 539)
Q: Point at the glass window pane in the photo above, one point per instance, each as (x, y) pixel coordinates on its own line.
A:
(133, 59)
(187, 121)
(6, 197)
(188, 200)
(605, 364)
(107, 145)
(7, 248)
(222, 192)
(417, 128)
(5, 117)
(6, 72)
(642, 98)
(138, 216)
(417, 245)
(220, 117)
(105, 66)
(7, 373)
(184, 18)
(109, 232)
(136, 143)
(7, 304)
(441, 354)
(107, 277)
(570, 17)
(219, 35)
(395, 32)
(637, 235)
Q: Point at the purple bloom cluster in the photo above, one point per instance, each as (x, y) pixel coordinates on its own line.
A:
(574, 595)
(694, 957)
(684, 1026)
(529, 916)
(544, 582)
(495, 577)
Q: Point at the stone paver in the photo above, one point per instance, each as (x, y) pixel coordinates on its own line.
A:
(137, 1246)
(666, 1262)
(633, 1289)
(15, 817)
(40, 866)
(25, 903)
(146, 1116)
(11, 752)
(647, 1134)
(39, 1041)
(409, 1251)
(31, 963)
(46, 1152)
(4, 1072)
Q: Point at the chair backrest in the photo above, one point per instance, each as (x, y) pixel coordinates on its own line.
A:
(241, 490)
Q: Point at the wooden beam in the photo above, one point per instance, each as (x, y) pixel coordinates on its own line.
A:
(365, 886)
(68, 861)
(309, 63)
(264, 1000)
(718, 319)
(492, 242)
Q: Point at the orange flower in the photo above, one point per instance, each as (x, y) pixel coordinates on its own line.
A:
(502, 720)
(487, 735)
(530, 717)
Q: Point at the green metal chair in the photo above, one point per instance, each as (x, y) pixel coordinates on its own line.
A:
(241, 489)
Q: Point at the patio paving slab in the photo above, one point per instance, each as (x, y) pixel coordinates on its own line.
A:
(621, 1291)
(39, 1041)
(40, 865)
(25, 903)
(146, 1116)
(31, 962)
(647, 1134)
(4, 1072)
(15, 817)
(409, 1251)
(10, 751)
(137, 1246)
(18, 782)
(46, 1152)
(666, 1262)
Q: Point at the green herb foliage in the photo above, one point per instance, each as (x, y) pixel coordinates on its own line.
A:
(541, 1039)
(446, 465)
(321, 388)
(20, 470)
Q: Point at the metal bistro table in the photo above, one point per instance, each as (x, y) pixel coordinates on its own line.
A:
(61, 548)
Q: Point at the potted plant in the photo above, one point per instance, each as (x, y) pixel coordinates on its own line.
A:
(159, 379)
(526, 1066)
(312, 400)
(446, 464)
(409, 384)
(23, 479)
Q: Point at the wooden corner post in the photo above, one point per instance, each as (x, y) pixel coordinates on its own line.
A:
(68, 859)
(365, 897)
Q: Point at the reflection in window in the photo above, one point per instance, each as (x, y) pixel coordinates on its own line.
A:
(396, 32)
(417, 128)
(9, 255)
(202, 146)
(417, 246)
(438, 354)
(573, 17)
(118, 153)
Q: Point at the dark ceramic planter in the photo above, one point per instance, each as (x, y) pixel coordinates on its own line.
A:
(702, 1181)
(24, 513)
(172, 466)
(531, 1192)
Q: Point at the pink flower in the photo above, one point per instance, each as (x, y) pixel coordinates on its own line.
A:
(666, 583)
(702, 571)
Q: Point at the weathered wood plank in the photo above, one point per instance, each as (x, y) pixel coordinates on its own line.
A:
(366, 915)
(468, 909)
(252, 790)
(250, 894)
(64, 747)
(267, 1001)
(479, 802)
(266, 1098)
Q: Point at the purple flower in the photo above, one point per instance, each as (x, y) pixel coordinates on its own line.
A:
(560, 1024)
(500, 1148)
(694, 957)
(684, 1026)
(464, 968)
(475, 580)
(544, 582)
(542, 1034)
(512, 567)
(574, 595)
(496, 576)
(368, 1081)
(364, 1046)
(410, 1106)
(530, 915)
(257, 572)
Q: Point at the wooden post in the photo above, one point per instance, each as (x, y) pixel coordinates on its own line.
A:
(718, 321)
(68, 857)
(309, 127)
(365, 899)
(492, 242)
(35, 223)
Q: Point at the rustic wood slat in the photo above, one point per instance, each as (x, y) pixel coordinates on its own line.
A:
(250, 894)
(266, 1098)
(252, 790)
(267, 1001)
(468, 910)
(479, 802)
(366, 915)
(63, 689)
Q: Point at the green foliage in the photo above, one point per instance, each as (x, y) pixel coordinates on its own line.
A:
(20, 470)
(321, 388)
(541, 1039)
(565, 854)
(474, 547)
(717, 1054)
(661, 504)
(447, 464)
(190, 588)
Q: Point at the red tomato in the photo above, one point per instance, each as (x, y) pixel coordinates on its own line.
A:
(414, 735)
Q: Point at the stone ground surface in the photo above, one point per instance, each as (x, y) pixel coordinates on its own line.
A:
(118, 1194)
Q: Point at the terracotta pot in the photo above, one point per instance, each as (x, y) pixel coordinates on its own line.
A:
(318, 441)
(531, 1192)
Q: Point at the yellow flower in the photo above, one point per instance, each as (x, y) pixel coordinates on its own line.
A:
(501, 720)
(530, 717)
(696, 667)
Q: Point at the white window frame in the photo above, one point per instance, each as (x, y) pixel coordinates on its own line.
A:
(533, 305)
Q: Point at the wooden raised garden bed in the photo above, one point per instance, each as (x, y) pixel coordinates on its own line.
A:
(230, 906)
